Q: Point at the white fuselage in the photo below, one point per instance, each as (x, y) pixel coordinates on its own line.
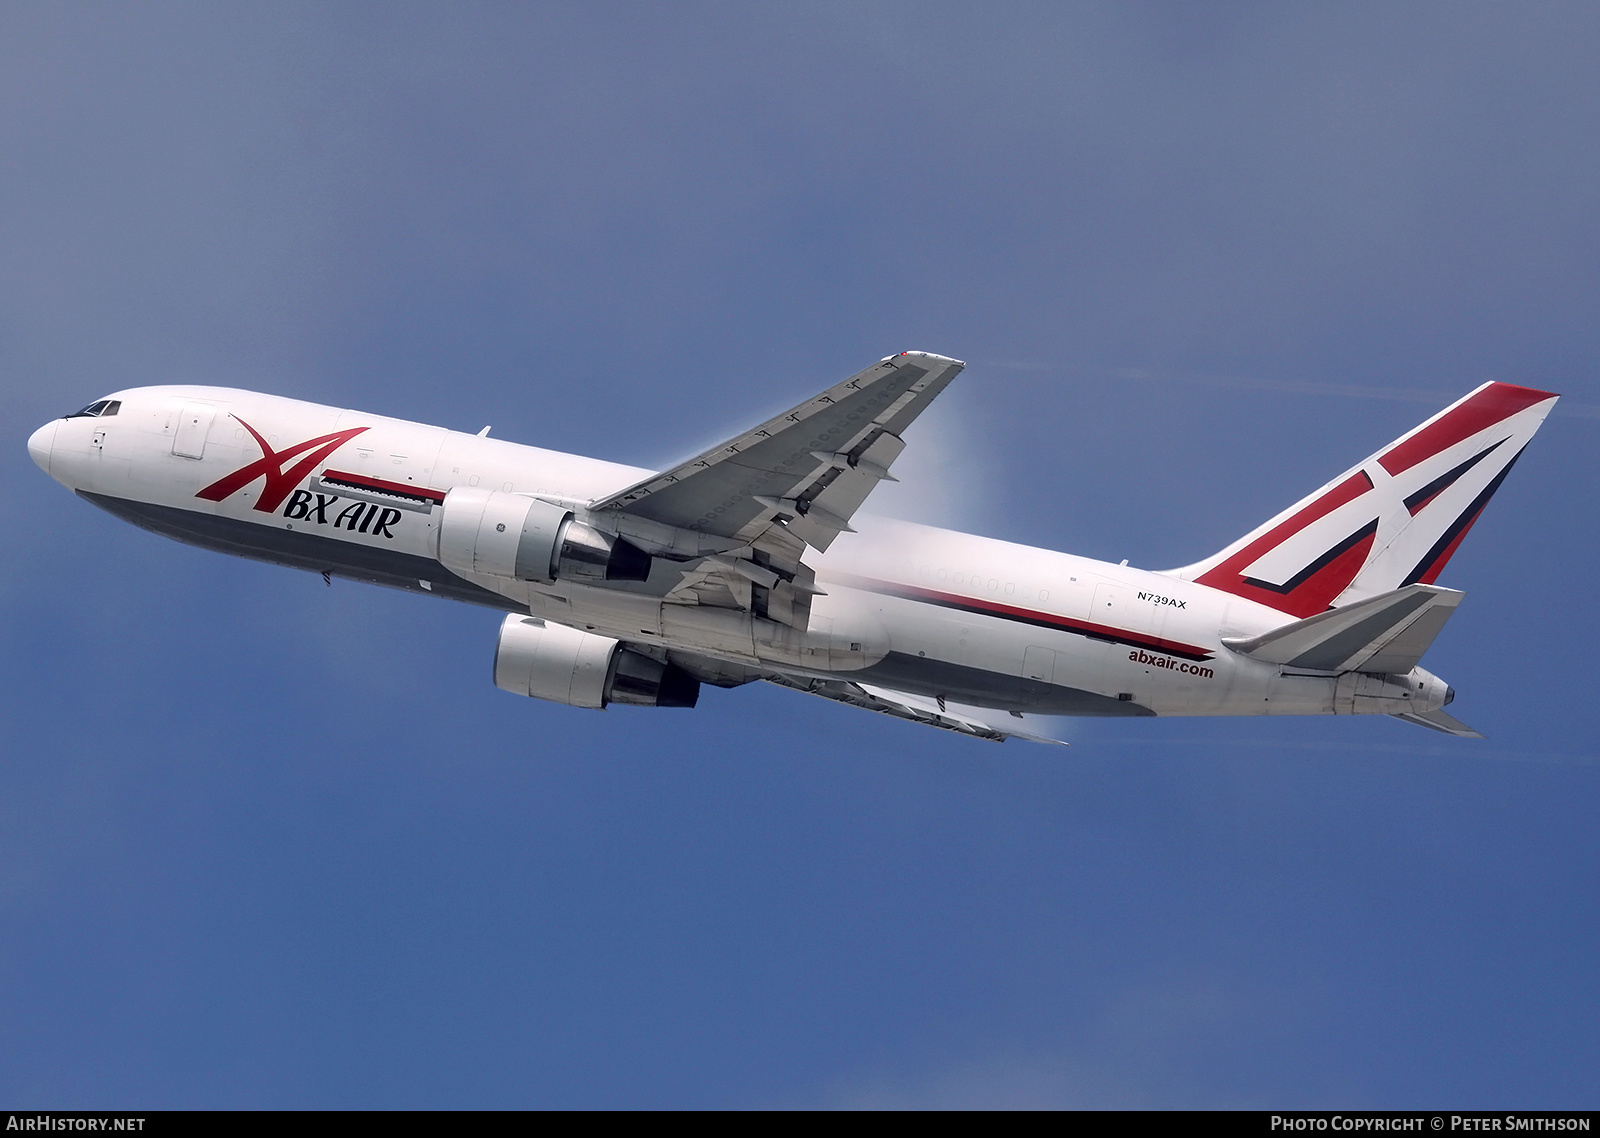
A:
(906, 606)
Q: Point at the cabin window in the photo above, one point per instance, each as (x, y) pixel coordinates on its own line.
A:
(1044, 594)
(1010, 588)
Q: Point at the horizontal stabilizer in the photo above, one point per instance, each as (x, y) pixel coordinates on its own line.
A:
(1439, 721)
(1385, 634)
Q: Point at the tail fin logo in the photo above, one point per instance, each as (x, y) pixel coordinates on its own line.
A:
(1392, 521)
(1317, 569)
(1415, 502)
(280, 482)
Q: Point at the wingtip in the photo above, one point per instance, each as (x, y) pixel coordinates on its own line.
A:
(933, 357)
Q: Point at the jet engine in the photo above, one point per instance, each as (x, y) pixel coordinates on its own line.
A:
(567, 665)
(513, 535)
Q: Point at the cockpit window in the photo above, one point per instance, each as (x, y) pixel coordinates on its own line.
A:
(98, 409)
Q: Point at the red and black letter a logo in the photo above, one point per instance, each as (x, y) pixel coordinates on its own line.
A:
(280, 482)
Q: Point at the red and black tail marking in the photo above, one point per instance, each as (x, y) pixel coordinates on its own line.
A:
(1433, 562)
(382, 486)
(1363, 538)
(1496, 420)
(1313, 589)
(1489, 406)
(1432, 490)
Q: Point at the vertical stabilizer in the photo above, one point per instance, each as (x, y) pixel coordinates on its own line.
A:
(1394, 520)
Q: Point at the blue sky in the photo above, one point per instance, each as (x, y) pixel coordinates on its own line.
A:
(265, 843)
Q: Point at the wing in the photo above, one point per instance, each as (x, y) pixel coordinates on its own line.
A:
(808, 469)
(919, 709)
(794, 481)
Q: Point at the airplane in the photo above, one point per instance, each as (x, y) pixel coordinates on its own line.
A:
(629, 586)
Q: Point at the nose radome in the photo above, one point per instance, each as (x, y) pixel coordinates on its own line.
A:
(40, 444)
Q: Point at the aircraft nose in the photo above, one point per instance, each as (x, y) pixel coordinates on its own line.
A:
(41, 442)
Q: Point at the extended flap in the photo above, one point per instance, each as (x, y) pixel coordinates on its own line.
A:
(980, 723)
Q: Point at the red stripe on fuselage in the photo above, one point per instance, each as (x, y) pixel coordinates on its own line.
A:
(383, 486)
(980, 607)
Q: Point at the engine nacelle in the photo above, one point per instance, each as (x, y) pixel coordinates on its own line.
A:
(512, 535)
(567, 665)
